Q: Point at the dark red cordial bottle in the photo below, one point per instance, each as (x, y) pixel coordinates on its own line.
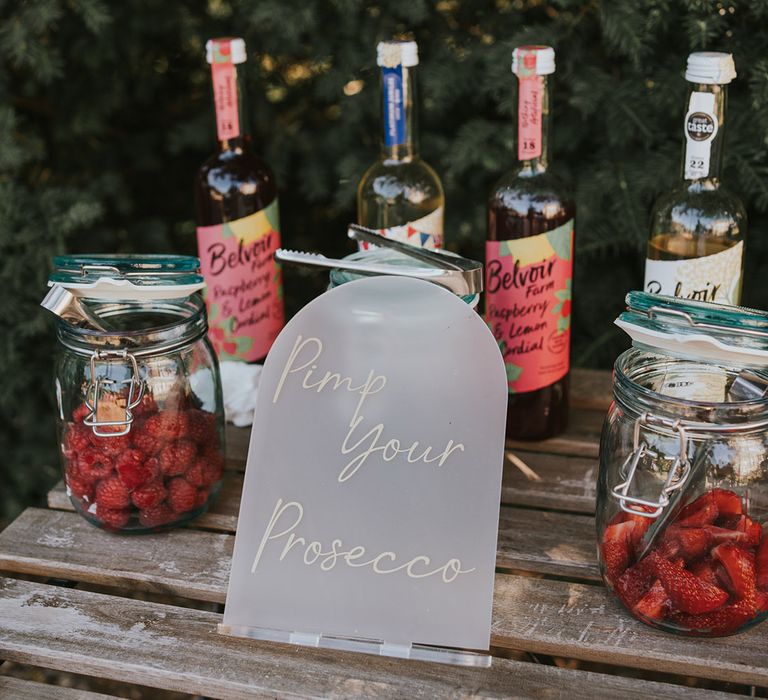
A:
(529, 264)
(238, 228)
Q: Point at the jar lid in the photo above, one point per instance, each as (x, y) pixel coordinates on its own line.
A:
(696, 330)
(128, 277)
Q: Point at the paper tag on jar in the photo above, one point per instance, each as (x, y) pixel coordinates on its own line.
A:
(371, 497)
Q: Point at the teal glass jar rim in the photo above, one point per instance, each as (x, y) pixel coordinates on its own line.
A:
(140, 269)
(696, 330)
(382, 256)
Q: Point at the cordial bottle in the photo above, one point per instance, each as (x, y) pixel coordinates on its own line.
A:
(238, 228)
(529, 263)
(400, 194)
(696, 248)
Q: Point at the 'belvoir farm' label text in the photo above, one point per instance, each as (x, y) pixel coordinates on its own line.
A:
(528, 305)
(244, 290)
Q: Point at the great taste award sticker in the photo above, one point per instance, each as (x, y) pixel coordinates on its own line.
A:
(371, 497)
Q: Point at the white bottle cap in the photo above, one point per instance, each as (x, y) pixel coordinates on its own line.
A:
(537, 60)
(390, 54)
(236, 48)
(710, 68)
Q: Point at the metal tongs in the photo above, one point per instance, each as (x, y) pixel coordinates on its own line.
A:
(461, 276)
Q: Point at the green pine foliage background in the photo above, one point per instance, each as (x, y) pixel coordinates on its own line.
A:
(105, 114)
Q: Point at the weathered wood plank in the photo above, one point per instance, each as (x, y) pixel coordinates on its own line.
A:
(532, 479)
(585, 622)
(18, 689)
(542, 480)
(196, 564)
(178, 649)
(552, 617)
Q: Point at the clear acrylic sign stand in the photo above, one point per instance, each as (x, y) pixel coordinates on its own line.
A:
(370, 507)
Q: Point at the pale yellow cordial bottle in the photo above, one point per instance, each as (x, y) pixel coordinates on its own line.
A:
(696, 247)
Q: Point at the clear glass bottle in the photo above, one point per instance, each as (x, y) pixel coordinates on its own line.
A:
(238, 229)
(529, 263)
(696, 246)
(400, 194)
(140, 413)
(682, 491)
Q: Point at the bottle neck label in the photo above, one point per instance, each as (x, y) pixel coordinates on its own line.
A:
(701, 127)
(528, 305)
(529, 107)
(244, 290)
(225, 97)
(394, 106)
(426, 232)
(715, 278)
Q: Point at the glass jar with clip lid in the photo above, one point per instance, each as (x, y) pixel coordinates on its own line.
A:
(140, 417)
(682, 498)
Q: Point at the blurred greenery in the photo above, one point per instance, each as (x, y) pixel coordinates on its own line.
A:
(105, 115)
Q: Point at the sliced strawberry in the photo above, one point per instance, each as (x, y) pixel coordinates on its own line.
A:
(693, 542)
(616, 549)
(634, 583)
(654, 604)
(761, 564)
(739, 564)
(746, 532)
(688, 593)
(703, 511)
(707, 570)
(720, 622)
(728, 503)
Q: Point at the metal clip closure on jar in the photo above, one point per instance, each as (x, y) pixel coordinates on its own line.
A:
(97, 384)
(676, 477)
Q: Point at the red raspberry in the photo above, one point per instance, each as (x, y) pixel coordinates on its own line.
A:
(92, 466)
(144, 441)
(147, 406)
(111, 446)
(149, 495)
(195, 474)
(113, 517)
(202, 427)
(112, 493)
(167, 425)
(177, 457)
(213, 466)
(159, 515)
(79, 414)
(182, 496)
(202, 498)
(76, 437)
(135, 469)
(79, 488)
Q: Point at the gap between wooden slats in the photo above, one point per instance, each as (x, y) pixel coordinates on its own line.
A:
(178, 649)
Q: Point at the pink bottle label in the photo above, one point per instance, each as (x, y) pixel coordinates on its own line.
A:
(244, 294)
(224, 76)
(528, 305)
(529, 108)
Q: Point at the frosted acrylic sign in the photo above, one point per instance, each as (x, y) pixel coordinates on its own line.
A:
(370, 506)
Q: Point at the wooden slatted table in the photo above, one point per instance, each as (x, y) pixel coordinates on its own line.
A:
(143, 610)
